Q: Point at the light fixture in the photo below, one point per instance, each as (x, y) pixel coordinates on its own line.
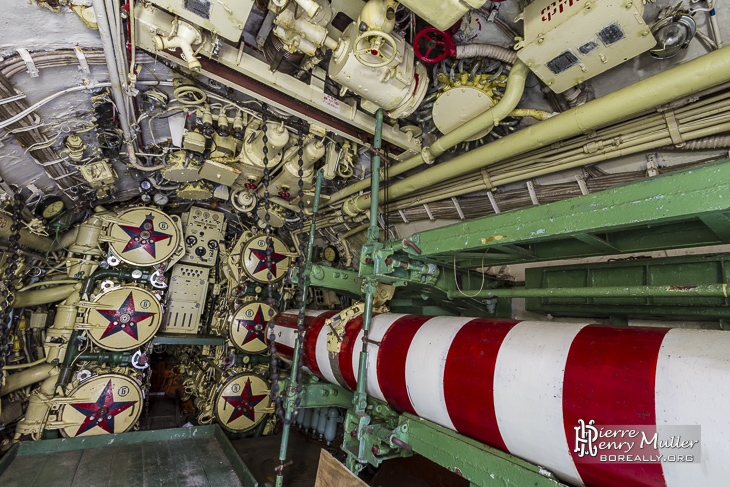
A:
(673, 34)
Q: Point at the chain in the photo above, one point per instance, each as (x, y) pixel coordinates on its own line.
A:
(8, 288)
(297, 374)
(274, 375)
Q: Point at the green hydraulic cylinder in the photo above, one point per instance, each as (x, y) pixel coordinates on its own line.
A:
(291, 392)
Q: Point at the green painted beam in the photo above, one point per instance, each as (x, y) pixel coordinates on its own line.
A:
(182, 339)
(681, 291)
(657, 213)
(344, 281)
(482, 465)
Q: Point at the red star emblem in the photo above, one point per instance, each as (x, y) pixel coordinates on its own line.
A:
(252, 331)
(102, 412)
(123, 319)
(261, 256)
(143, 236)
(244, 404)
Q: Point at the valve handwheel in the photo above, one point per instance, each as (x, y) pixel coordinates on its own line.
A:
(432, 45)
(375, 41)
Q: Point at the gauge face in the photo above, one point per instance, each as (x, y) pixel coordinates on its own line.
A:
(50, 207)
(160, 199)
(124, 318)
(105, 404)
(242, 402)
(330, 254)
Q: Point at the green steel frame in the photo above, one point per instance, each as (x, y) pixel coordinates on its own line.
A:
(101, 442)
(681, 209)
(692, 281)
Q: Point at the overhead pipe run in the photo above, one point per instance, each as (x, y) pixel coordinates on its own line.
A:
(696, 75)
(485, 121)
(524, 387)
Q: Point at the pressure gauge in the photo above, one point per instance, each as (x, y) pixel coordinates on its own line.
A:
(330, 254)
(50, 207)
(160, 199)
(145, 185)
(145, 198)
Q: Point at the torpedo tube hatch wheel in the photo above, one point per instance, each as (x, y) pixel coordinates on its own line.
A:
(124, 318)
(242, 402)
(144, 236)
(253, 259)
(247, 327)
(105, 404)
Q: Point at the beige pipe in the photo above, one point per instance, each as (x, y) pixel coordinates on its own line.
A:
(16, 381)
(484, 121)
(43, 296)
(35, 416)
(683, 80)
(27, 239)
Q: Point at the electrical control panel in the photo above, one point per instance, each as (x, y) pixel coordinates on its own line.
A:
(185, 299)
(203, 230)
(567, 41)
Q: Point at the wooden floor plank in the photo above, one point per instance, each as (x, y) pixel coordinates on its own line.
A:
(190, 471)
(217, 467)
(126, 466)
(332, 473)
(94, 468)
(23, 471)
(59, 470)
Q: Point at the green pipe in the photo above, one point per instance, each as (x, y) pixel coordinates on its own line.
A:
(485, 121)
(681, 81)
(290, 398)
(675, 291)
(369, 285)
(121, 274)
(112, 358)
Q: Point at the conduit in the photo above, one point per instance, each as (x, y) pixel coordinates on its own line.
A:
(487, 50)
(44, 296)
(699, 74)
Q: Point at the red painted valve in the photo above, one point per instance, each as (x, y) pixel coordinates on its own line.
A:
(432, 45)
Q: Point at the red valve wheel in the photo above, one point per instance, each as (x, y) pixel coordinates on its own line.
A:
(432, 45)
(284, 194)
(250, 186)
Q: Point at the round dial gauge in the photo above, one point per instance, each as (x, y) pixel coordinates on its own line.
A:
(160, 199)
(50, 207)
(330, 254)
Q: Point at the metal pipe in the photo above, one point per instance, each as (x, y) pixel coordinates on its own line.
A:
(27, 239)
(292, 391)
(522, 387)
(484, 121)
(44, 296)
(699, 74)
(105, 34)
(27, 377)
(674, 291)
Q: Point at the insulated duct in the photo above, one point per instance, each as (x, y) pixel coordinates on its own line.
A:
(523, 387)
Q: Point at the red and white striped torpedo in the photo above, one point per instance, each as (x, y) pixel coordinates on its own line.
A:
(522, 387)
